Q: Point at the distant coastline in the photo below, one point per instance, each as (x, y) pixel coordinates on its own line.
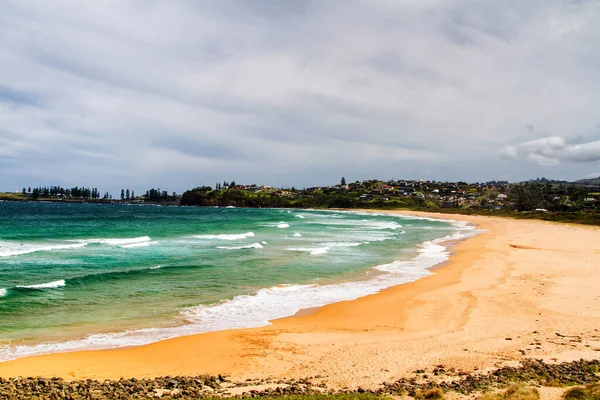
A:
(574, 202)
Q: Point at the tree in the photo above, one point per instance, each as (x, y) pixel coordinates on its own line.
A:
(132, 195)
(526, 197)
(127, 194)
(24, 191)
(122, 194)
(343, 181)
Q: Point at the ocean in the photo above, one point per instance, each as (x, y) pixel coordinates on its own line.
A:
(91, 276)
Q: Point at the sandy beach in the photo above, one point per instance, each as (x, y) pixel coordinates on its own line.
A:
(522, 289)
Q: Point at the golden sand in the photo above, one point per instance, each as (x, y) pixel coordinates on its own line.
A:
(523, 288)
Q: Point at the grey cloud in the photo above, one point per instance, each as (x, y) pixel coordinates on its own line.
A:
(18, 97)
(296, 93)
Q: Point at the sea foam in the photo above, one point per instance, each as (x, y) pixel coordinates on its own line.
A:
(3, 292)
(250, 246)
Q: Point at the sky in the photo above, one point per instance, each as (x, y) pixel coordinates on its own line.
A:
(182, 93)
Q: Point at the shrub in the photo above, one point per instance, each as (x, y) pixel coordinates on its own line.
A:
(590, 392)
(515, 392)
(431, 394)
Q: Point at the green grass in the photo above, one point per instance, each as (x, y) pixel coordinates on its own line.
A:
(12, 196)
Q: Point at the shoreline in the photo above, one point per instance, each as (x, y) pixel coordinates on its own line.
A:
(507, 283)
(424, 262)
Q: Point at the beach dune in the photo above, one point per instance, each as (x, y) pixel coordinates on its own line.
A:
(520, 289)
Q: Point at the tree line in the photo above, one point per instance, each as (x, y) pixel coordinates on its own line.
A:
(87, 194)
(58, 191)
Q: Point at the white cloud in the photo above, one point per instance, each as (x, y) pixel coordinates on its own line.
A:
(553, 150)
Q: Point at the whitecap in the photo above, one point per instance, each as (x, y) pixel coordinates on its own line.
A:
(140, 244)
(8, 249)
(313, 251)
(227, 236)
(3, 292)
(385, 225)
(297, 234)
(48, 285)
(283, 225)
(117, 242)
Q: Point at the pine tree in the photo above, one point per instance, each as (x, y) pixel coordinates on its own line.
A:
(127, 194)
(122, 194)
(343, 181)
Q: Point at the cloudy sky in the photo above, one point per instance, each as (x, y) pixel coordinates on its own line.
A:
(180, 93)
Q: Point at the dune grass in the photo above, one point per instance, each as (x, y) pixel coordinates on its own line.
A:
(514, 392)
(589, 392)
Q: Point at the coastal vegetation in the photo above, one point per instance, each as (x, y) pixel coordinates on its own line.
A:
(588, 392)
(515, 392)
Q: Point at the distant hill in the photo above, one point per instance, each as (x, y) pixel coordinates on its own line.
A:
(591, 181)
(581, 182)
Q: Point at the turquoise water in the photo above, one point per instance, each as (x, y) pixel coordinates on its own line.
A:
(80, 276)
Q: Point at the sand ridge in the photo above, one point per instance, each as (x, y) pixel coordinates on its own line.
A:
(523, 288)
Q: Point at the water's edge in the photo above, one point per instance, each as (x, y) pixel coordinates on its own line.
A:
(226, 315)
